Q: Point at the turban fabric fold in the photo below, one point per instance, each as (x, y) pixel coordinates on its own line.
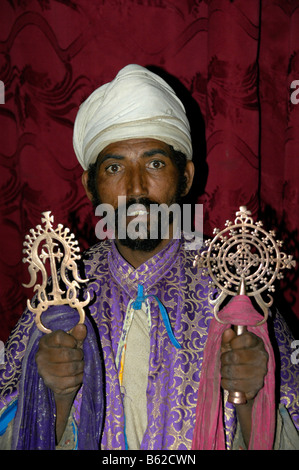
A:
(136, 104)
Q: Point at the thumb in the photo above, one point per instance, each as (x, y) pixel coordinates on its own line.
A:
(227, 336)
(79, 332)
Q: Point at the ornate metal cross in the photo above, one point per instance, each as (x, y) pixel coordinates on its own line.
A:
(52, 242)
(243, 259)
(243, 256)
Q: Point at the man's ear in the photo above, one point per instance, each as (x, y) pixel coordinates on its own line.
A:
(189, 175)
(84, 180)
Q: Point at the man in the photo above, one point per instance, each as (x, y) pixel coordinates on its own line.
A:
(149, 305)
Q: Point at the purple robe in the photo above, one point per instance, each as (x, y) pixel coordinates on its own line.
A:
(34, 421)
(174, 373)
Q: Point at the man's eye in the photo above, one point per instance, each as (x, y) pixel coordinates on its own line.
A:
(156, 164)
(112, 168)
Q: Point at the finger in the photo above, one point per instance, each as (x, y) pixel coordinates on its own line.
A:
(50, 367)
(248, 386)
(79, 332)
(227, 337)
(65, 385)
(60, 355)
(65, 369)
(58, 339)
(242, 372)
(247, 340)
(244, 356)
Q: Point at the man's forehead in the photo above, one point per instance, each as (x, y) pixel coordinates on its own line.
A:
(146, 146)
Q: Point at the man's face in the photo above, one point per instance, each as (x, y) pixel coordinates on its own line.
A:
(144, 172)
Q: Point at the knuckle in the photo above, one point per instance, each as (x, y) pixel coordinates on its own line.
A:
(74, 381)
(225, 358)
(226, 372)
(262, 359)
(76, 368)
(225, 384)
(234, 357)
(265, 356)
(57, 337)
(231, 385)
(66, 355)
(249, 340)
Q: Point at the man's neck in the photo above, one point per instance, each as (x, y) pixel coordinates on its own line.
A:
(137, 257)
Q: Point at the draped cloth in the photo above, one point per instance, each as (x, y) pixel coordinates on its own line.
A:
(34, 424)
(209, 431)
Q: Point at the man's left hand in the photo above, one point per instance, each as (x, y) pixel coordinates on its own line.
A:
(243, 363)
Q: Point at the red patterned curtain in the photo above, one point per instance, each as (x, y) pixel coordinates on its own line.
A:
(233, 60)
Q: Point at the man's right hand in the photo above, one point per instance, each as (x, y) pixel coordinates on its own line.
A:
(60, 363)
(60, 360)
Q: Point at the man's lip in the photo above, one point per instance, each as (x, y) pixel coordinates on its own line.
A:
(137, 213)
(137, 210)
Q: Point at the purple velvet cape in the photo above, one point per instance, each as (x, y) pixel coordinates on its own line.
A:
(174, 374)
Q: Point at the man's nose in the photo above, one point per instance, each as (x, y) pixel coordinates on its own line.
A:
(136, 185)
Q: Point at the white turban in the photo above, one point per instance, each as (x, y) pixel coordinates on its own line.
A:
(136, 104)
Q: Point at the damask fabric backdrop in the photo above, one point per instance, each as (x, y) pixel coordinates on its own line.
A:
(232, 62)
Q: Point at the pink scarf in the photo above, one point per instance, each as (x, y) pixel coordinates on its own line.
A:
(209, 428)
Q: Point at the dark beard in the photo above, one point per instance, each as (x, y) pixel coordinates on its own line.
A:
(145, 243)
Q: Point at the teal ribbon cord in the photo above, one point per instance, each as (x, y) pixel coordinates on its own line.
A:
(137, 306)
